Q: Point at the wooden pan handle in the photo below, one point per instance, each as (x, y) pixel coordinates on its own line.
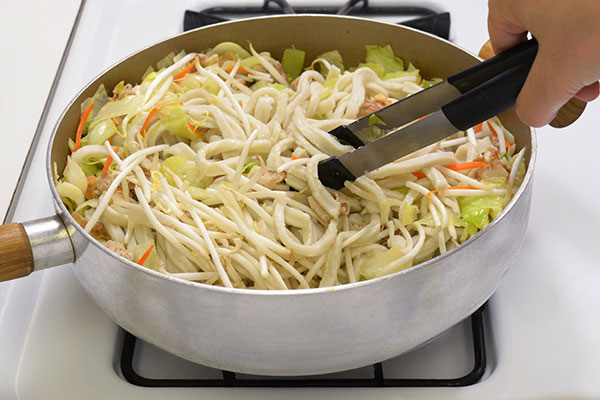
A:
(16, 257)
(567, 113)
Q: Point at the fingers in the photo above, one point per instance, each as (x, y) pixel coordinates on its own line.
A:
(504, 28)
(589, 92)
(542, 95)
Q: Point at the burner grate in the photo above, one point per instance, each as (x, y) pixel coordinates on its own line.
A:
(427, 19)
(230, 379)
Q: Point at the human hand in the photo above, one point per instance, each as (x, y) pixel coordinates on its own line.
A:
(568, 60)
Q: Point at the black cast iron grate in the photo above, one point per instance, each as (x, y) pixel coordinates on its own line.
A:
(230, 379)
(427, 20)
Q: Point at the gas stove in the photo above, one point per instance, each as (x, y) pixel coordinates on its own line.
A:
(536, 338)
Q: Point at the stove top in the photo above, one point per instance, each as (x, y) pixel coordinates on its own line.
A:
(540, 327)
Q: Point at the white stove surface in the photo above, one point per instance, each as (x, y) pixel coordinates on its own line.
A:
(544, 339)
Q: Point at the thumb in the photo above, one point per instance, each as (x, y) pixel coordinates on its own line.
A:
(543, 93)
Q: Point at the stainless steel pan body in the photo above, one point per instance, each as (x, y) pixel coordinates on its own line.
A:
(305, 331)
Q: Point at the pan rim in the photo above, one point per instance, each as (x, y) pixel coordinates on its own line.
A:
(264, 292)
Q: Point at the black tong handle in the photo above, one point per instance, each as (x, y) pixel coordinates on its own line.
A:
(488, 99)
(470, 78)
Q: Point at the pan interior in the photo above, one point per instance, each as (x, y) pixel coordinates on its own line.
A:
(315, 34)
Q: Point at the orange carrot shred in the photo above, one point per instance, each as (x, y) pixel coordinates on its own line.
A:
(419, 175)
(183, 73)
(109, 160)
(111, 99)
(80, 127)
(467, 165)
(193, 129)
(430, 192)
(463, 187)
(111, 138)
(479, 127)
(147, 121)
(145, 256)
(240, 70)
(293, 158)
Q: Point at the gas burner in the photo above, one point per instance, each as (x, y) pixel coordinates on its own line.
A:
(427, 19)
(378, 379)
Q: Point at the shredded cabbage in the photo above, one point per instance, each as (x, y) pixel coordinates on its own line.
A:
(174, 119)
(385, 58)
(478, 209)
(292, 62)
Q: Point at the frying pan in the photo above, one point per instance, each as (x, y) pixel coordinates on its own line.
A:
(299, 332)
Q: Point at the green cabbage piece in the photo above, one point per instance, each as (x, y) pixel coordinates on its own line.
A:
(477, 210)
(328, 86)
(333, 57)
(174, 119)
(375, 67)
(293, 62)
(125, 106)
(374, 119)
(374, 262)
(99, 99)
(252, 61)
(153, 260)
(385, 58)
(248, 167)
(70, 194)
(101, 132)
(186, 170)
(166, 61)
(225, 47)
(427, 83)
(92, 166)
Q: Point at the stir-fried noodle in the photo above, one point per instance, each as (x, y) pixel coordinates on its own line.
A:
(207, 171)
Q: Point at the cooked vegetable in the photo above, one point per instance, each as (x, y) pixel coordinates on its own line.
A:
(84, 117)
(293, 62)
(219, 171)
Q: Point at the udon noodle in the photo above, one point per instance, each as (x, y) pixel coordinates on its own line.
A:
(207, 171)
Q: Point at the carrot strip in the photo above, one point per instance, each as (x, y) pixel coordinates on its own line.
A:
(430, 192)
(463, 187)
(479, 128)
(419, 175)
(147, 121)
(467, 165)
(293, 158)
(506, 143)
(145, 256)
(80, 127)
(109, 160)
(240, 70)
(193, 129)
(183, 73)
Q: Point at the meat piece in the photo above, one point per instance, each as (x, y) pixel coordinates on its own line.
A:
(98, 231)
(294, 84)
(202, 58)
(97, 186)
(373, 104)
(127, 91)
(117, 247)
(496, 169)
(323, 216)
(146, 166)
(344, 205)
(279, 67)
(271, 178)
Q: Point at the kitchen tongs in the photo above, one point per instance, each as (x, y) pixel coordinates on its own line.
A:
(462, 101)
